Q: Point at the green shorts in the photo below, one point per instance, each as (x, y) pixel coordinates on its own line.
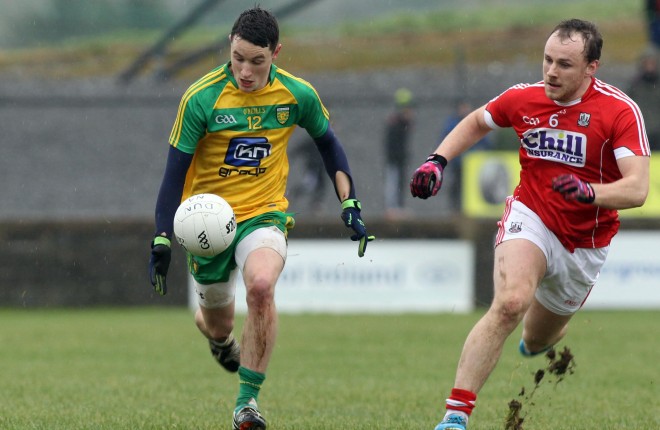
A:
(210, 270)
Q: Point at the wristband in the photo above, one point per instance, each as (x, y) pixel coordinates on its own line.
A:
(351, 203)
(161, 240)
(437, 159)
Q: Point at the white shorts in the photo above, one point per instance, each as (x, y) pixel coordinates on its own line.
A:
(569, 276)
(221, 294)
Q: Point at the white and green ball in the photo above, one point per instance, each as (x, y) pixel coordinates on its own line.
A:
(205, 225)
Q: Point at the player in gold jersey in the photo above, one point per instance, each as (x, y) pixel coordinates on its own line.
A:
(230, 138)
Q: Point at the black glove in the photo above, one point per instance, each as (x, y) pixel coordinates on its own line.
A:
(161, 254)
(351, 216)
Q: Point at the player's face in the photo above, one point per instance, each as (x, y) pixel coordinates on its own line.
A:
(566, 73)
(250, 64)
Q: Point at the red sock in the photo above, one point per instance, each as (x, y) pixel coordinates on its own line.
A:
(461, 400)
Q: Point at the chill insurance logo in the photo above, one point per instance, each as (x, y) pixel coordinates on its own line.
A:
(562, 146)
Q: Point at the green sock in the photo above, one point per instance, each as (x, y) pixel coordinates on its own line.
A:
(250, 384)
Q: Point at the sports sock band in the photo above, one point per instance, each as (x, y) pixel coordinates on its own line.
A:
(461, 401)
(250, 384)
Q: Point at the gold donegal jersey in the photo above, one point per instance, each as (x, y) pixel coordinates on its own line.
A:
(239, 139)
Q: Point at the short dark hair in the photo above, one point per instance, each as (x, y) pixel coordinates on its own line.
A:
(258, 26)
(593, 41)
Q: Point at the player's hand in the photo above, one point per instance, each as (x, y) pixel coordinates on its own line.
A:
(161, 254)
(351, 215)
(427, 179)
(573, 188)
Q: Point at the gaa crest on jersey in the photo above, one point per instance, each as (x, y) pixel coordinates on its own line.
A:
(583, 120)
(282, 114)
(516, 227)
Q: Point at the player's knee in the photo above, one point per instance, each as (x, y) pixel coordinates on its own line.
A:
(260, 291)
(511, 309)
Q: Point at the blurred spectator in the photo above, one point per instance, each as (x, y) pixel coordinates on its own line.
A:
(653, 17)
(645, 90)
(310, 188)
(453, 180)
(397, 132)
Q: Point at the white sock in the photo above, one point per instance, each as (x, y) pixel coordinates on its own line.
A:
(451, 412)
(226, 342)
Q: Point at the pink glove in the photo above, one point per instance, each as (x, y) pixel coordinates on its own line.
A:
(427, 179)
(573, 188)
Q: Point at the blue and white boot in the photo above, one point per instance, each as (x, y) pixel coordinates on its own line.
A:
(453, 421)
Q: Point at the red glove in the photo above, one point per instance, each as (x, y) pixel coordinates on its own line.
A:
(427, 179)
(573, 188)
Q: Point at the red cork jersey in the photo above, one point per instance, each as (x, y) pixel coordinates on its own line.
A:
(584, 137)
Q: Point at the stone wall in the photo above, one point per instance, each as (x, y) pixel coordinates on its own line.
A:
(99, 263)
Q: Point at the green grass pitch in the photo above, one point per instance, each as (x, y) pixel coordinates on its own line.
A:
(150, 369)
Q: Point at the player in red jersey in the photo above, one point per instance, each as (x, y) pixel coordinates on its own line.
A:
(584, 154)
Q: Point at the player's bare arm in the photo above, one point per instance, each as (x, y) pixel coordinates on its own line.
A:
(468, 132)
(427, 179)
(628, 192)
(343, 185)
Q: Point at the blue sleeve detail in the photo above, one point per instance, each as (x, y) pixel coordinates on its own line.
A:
(171, 189)
(334, 157)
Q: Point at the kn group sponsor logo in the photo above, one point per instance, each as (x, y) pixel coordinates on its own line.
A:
(245, 155)
(567, 147)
